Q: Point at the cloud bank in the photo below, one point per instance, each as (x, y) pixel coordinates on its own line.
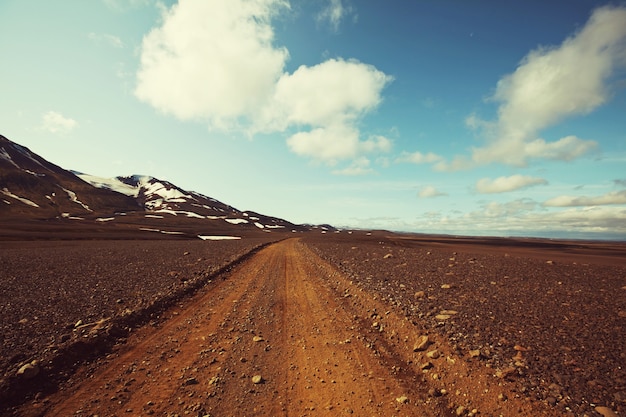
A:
(216, 62)
(506, 184)
(615, 197)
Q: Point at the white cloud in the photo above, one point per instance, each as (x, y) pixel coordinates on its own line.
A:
(211, 60)
(429, 191)
(55, 122)
(549, 85)
(335, 142)
(333, 13)
(215, 61)
(335, 91)
(505, 184)
(106, 38)
(419, 158)
(360, 166)
(615, 197)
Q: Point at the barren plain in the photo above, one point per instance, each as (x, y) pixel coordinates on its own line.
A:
(315, 324)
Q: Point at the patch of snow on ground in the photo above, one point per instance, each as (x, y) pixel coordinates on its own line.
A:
(236, 221)
(219, 237)
(274, 226)
(5, 155)
(26, 201)
(147, 229)
(153, 216)
(259, 225)
(105, 219)
(109, 183)
(172, 233)
(177, 212)
(72, 196)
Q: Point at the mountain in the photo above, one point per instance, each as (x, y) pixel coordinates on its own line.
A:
(32, 187)
(35, 190)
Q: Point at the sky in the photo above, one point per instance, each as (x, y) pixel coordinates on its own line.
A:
(487, 117)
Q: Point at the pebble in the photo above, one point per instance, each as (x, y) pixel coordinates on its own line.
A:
(387, 256)
(446, 286)
(420, 294)
(605, 411)
(257, 339)
(29, 370)
(442, 316)
(257, 379)
(421, 343)
(460, 410)
(475, 353)
(191, 381)
(403, 399)
(433, 354)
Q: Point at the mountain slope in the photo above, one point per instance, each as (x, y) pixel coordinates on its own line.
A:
(33, 189)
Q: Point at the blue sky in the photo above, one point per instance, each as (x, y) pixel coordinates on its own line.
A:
(473, 118)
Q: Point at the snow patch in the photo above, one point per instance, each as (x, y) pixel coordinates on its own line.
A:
(153, 216)
(72, 196)
(105, 219)
(26, 201)
(203, 237)
(259, 225)
(236, 221)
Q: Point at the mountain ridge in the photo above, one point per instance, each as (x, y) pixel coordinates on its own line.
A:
(36, 190)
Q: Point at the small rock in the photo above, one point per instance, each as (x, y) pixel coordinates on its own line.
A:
(257, 379)
(442, 317)
(433, 354)
(421, 343)
(460, 410)
(29, 370)
(78, 323)
(389, 255)
(403, 399)
(23, 321)
(605, 411)
(420, 294)
(475, 353)
(551, 401)
(446, 286)
(257, 339)
(191, 381)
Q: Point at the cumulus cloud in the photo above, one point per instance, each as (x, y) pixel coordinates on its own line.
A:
(55, 122)
(216, 61)
(419, 158)
(333, 13)
(211, 60)
(549, 85)
(615, 197)
(429, 191)
(505, 184)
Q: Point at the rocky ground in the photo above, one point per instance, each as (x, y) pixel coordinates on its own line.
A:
(549, 316)
(58, 296)
(332, 324)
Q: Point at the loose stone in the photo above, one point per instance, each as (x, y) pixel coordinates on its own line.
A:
(421, 343)
(403, 399)
(257, 379)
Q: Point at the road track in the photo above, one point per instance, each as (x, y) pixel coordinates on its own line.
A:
(321, 345)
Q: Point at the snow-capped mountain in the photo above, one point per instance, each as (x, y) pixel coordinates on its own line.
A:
(33, 188)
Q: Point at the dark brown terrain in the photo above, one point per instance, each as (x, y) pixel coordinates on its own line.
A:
(330, 322)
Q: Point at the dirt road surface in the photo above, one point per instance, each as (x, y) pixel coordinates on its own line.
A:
(284, 334)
